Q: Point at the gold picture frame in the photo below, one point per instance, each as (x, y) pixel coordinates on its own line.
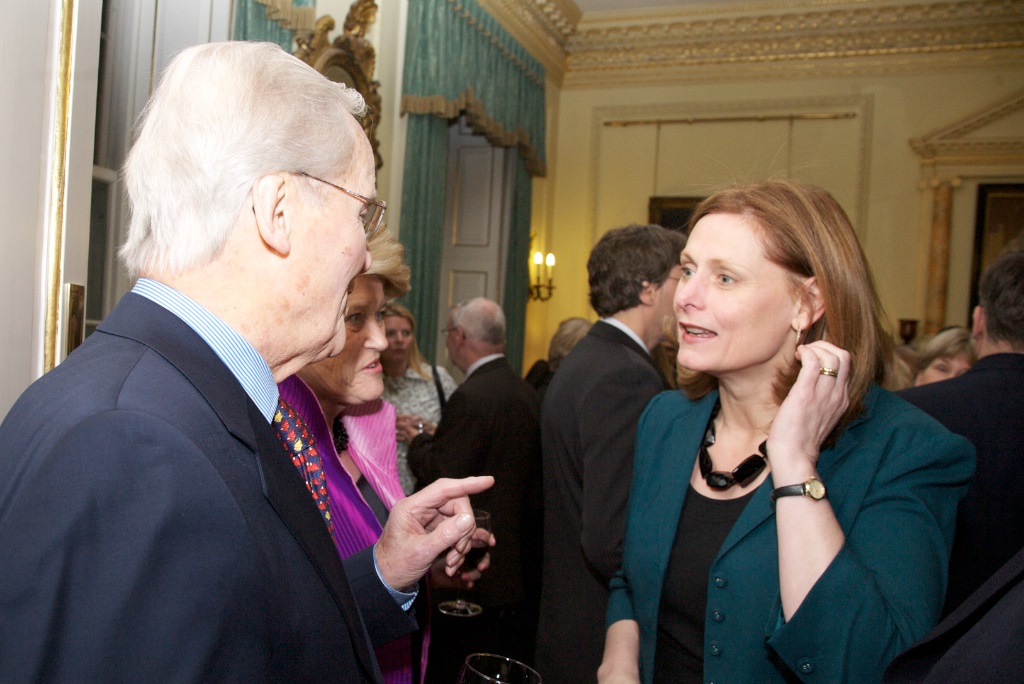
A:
(350, 59)
(998, 228)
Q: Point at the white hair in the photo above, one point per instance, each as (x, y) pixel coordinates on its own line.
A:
(482, 320)
(223, 116)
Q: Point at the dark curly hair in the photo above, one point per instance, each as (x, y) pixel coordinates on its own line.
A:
(1001, 293)
(625, 260)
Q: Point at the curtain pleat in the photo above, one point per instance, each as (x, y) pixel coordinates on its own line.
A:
(460, 61)
(422, 234)
(517, 273)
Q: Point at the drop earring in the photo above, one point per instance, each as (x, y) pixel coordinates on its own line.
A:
(798, 334)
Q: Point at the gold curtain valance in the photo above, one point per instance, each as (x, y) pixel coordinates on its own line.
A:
(290, 17)
(467, 103)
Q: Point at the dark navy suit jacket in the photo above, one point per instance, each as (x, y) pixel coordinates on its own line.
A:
(588, 427)
(981, 641)
(985, 405)
(153, 529)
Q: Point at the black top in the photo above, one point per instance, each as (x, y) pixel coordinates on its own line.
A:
(703, 526)
(380, 511)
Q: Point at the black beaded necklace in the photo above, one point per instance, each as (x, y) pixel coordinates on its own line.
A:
(742, 474)
(340, 436)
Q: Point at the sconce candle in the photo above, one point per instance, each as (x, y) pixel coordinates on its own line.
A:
(543, 267)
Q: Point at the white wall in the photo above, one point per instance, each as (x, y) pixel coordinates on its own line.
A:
(29, 62)
(151, 33)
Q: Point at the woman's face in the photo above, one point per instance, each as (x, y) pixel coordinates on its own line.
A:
(399, 334)
(943, 368)
(736, 311)
(353, 377)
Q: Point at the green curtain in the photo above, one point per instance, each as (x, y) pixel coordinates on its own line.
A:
(423, 195)
(274, 21)
(517, 273)
(460, 61)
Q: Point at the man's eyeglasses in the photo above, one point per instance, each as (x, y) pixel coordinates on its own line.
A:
(373, 210)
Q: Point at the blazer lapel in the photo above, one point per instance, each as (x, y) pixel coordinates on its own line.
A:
(287, 493)
(138, 318)
(761, 507)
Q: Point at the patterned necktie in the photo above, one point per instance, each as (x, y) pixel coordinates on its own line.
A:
(295, 437)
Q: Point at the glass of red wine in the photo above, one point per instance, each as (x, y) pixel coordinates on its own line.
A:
(460, 607)
(486, 668)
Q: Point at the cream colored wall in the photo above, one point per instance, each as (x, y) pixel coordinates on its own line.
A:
(601, 177)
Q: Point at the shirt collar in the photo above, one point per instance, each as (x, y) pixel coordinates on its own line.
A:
(629, 331)
(481, 361)
(241, 358)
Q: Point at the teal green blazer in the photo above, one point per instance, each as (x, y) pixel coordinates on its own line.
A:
(894, 480)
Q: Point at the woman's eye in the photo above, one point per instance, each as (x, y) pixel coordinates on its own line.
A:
(726, 280)
(687, 272)
(354, 319)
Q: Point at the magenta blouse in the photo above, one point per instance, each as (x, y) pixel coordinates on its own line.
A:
(372, 441)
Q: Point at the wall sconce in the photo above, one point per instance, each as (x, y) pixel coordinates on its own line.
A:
(542, 268)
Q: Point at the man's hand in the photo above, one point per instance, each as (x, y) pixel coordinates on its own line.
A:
(465, 577)
(422, 526)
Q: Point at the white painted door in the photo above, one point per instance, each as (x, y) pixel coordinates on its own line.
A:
(477, 215)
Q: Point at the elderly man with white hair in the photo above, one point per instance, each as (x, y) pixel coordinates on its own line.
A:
(163, 515)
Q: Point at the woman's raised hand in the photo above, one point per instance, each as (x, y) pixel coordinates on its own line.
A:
(818, 399)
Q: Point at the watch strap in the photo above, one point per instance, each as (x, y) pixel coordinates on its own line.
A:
(788, 490)
(813, 489)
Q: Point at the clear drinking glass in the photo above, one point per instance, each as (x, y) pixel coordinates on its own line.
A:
(486, 668)
(460, 607)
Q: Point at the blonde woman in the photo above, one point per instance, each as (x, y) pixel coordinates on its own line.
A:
(410, 384)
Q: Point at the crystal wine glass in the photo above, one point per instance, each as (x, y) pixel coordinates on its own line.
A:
(487, 668)
(460, 607)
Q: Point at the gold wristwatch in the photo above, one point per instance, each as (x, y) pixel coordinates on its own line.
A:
(812, 489)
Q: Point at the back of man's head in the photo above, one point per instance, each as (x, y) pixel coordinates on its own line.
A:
(1001, 294)
(626, 259)
(483, 323)
(224, 115)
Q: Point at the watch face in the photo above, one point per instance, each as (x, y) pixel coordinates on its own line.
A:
(814, 489)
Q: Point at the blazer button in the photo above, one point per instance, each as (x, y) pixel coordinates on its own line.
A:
(715, 649)
(805, 665)
(717, 616)
(721, 582)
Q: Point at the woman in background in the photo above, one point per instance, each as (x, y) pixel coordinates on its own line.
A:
(787, 515)
(410, 384)
(569, 332)
(949, 354)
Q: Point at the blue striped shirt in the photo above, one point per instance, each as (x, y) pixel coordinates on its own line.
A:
(241, 358)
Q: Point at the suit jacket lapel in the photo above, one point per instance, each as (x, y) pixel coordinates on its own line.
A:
(142, 320)
(287, 493)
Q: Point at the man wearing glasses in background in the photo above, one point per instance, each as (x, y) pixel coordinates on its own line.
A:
(162, 515)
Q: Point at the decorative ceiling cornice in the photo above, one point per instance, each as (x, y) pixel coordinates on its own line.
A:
(762, 39)
(542, 26)
(788, 38)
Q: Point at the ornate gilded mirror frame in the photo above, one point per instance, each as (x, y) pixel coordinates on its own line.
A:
(349, 60)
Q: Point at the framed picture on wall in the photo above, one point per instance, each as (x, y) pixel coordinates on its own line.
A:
(672, 212)
(998, 227)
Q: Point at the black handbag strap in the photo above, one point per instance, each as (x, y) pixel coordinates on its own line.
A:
(437, 384)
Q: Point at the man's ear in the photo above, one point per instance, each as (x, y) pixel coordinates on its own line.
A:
(810, 305)
(978, 326)
(272, 220)
(648, 293)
